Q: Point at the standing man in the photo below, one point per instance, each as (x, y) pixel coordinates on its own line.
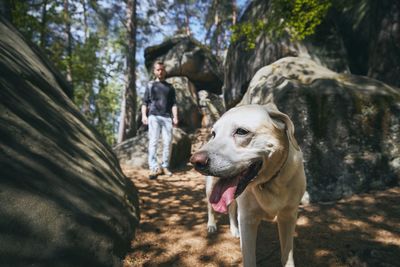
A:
(159, 103)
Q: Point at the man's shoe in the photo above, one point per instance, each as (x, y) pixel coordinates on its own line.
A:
(167, 172)
(153, 174)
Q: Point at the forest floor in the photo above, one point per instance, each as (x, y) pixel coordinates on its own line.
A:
(363, 230)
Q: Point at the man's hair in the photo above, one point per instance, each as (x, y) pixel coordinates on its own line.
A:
(158, 62)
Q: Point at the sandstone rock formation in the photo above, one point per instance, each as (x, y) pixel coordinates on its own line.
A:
(190, 68)
(371, 35)
(64, 199)
(348, 126)
(241, 63)
(186, 96)
(212, 107)
(363, 40)
(134, 152)
(184, 56)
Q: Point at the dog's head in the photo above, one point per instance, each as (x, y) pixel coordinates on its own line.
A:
(249, 144)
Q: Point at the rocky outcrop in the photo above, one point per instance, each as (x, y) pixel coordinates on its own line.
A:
(362, 39)
(134, 152)
(186, 97)
(190, 68)
(371, 35)
(184, 56)
(211, 106)
(188, 110)
(348, 126)
(241, 63)
(64, 199)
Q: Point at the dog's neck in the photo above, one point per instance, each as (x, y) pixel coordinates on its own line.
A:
(276, 166)
(276, 162)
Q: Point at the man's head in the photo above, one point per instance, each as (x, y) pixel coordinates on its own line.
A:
(159, 70)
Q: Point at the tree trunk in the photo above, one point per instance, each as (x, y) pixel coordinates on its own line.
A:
(43, 23)
(187, 20)
(5, 9)
(86, 27)
(127, 127)
(121, 127)
(217, 23)
(234, 12)
(68, 39)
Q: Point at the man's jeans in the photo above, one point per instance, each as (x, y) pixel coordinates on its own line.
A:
(157, 125)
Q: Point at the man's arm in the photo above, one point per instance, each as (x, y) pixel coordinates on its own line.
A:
(175, 115)
(144, 115)
(174, 108)
(145, 102)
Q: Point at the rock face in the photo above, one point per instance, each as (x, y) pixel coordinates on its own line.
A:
(347, 126)
(363, 40)
(134, 151)
(241, 64)
(190, 68)
(186, 96)
(184, 56)
(64, 199)
(212, 107)
(371, 35)
(188, 111)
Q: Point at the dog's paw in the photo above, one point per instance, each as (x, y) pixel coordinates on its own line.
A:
(235, 231)
(211, 228)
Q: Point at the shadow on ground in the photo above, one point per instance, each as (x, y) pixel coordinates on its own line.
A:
(359, 231)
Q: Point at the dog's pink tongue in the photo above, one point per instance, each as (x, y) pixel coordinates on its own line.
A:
(223, 194)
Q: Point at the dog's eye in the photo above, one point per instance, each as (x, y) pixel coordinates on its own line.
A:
(212, 134)
(241, 131)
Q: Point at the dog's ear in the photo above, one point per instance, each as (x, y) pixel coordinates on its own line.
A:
(280, 117)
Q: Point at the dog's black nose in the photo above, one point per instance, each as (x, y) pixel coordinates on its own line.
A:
(200, 160)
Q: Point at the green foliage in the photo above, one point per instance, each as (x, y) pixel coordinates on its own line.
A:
(218, 19)
(304, 17)
(23, 20)
(85, 66)
(108, 107)
(95, 61)
(299, 18)
(248, 31)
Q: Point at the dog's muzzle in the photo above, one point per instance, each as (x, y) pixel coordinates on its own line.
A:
(200, 161)
(228, 188)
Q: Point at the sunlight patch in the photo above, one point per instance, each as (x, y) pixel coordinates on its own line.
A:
(322, 253)
(303, 221)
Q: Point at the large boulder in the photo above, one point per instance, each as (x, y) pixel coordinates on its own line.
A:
(64, 199)
(348, 126)
(371, 36)
(134, 151)
(188, 111)
(241, 63)
(186, 97)
(211, 106)
(363, 39)
(184, 56)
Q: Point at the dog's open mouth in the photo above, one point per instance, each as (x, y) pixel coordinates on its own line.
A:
(227, 189)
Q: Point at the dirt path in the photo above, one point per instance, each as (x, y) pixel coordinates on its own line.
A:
(360, 231)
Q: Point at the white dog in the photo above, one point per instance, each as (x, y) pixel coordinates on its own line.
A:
(256, 157)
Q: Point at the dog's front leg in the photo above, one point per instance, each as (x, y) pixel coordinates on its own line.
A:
(248, 226)
(233, 219)
(286, 227)
(211, 223)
